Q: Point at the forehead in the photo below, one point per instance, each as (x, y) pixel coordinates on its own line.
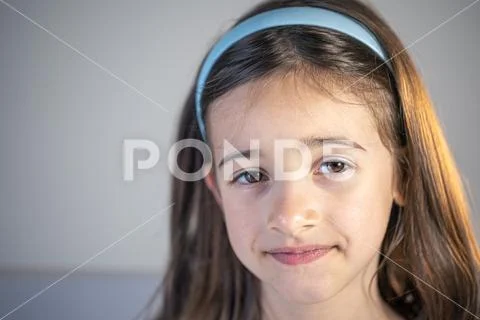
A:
(287, 108)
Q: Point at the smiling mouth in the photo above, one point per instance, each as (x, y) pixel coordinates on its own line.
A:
(300, 255)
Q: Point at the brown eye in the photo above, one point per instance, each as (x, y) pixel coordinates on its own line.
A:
(335, 166)
(249, 177)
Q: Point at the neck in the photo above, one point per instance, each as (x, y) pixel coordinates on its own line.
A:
(357, 300)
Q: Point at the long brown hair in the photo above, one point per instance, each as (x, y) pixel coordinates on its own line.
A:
(430, 260)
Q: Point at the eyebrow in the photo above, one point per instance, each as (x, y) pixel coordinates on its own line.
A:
(315, 142)
(245, 153)
(310, 141)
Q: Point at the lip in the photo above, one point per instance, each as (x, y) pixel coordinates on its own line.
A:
(299, 255)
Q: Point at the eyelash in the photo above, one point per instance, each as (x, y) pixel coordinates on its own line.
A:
(347, 166)
(242, 174)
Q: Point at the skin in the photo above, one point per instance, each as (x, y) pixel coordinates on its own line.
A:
(344, 206)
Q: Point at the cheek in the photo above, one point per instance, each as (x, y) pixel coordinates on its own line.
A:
(362, 216)
(363, 219)
(243, 221)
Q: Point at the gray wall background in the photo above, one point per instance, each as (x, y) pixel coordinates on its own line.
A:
(64, 117)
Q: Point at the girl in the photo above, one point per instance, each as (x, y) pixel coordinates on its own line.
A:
(378, 228)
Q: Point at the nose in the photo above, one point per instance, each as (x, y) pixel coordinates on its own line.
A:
(295, 209)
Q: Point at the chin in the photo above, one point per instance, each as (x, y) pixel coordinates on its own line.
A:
(305, 290)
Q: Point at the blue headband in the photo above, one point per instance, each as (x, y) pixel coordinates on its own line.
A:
(309, 16)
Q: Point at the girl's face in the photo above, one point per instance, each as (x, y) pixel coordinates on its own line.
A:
(341, 206)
